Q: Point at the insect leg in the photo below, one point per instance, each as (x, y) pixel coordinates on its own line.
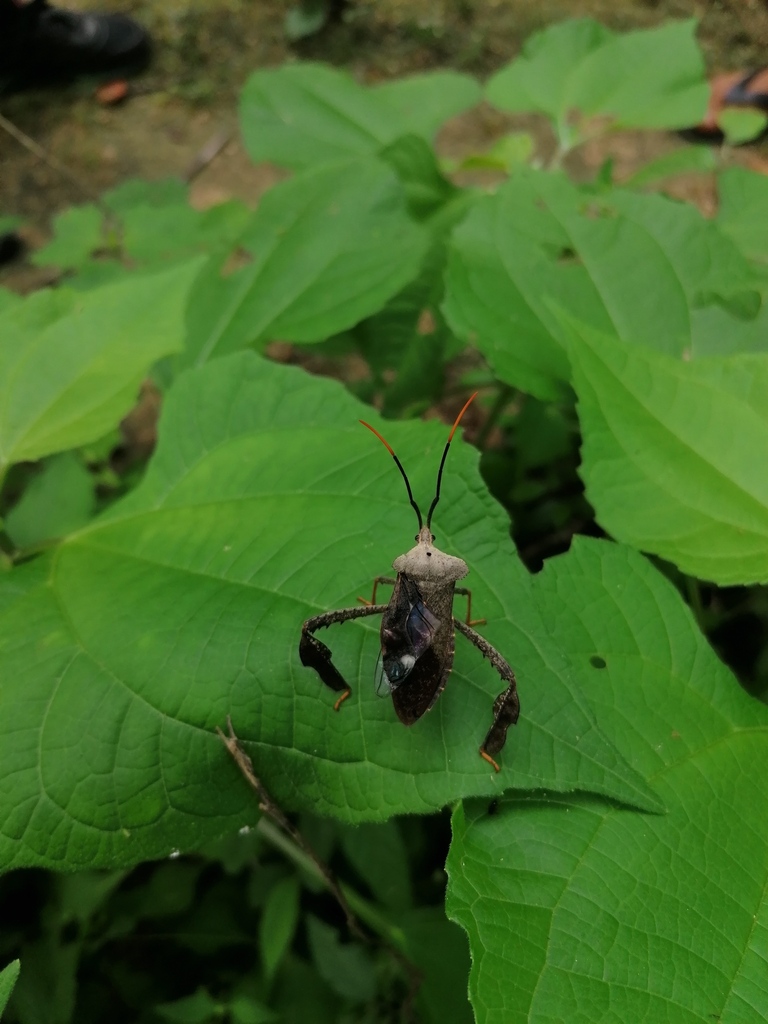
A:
(314, 654)
(465, 592)
(506, 707)
(379, 580)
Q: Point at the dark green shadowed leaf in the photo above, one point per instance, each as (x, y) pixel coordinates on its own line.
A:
(346, 967)
(278, 923)
(582, 911)
(439, 950)
(378, 854)
(265, 503)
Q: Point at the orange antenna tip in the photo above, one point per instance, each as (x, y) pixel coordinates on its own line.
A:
(373, 430)
(458, 418)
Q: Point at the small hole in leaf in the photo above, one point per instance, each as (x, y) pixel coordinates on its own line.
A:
(597, 662)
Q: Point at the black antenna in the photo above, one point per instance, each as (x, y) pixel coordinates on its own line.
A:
(442, 463)
(400, 467)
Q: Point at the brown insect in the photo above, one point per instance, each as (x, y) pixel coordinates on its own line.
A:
(417, 628)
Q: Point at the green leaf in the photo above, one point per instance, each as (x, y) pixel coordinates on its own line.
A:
(741, 213)
(674, 453)
(278, 923)
(155, 223)
(70, 367)
(8, 299)
(305, 19)
(304, 114)
(199, 1008)
(540, 79)
(539, 244)
(345, 967)
(264, 504)
(582, 911)
(77, 233)
(324, 250)
(741, 126)
(713, 273)
(439, 950)
(650, 78)
(415, 163)
(160, 224)
(8, 977)
(301, 995)
(57, 501)
(643, 267)
(684, 160)
(378, 854)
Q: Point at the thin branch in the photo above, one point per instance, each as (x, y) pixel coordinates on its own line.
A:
(306, 856)
(268, 806)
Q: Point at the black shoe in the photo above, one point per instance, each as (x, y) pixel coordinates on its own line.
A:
(48, 44)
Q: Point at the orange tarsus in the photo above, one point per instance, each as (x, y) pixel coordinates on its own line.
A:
(489, 759)
(341, 700)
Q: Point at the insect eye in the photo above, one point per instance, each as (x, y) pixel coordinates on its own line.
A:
(416, 537)
(429, 554)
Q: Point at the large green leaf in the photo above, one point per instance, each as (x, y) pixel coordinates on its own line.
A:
(304, 114)
(650, 270)
(742, 210)
(675, 453)
(583, 911)
(324, 250)
(650, 78)
(540, 244)
(71, 365)
(265, 503)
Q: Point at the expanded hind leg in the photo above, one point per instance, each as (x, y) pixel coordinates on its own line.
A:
(506, 707)
(314, 654)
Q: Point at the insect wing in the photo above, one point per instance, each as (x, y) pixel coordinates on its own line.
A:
(422, 688)
(407, 630)
(421, 627)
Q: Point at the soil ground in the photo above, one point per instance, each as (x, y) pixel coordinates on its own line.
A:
(205, 50)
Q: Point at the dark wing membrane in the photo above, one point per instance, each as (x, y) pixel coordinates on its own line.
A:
(421, 627)
(420, 690)
(408, 628)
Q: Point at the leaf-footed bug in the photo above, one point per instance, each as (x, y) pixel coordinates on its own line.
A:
(417, 628)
